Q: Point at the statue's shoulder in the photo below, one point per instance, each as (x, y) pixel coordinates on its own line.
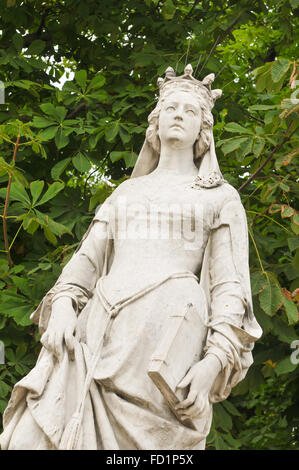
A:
(224, 199)
(229, 193)
(227, 204)
(222, 194)
(121, 188)
(127, 184)
(231, 209)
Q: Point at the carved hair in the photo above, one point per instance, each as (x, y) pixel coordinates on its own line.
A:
(204, 138)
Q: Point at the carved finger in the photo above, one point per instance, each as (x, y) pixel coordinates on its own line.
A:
(186, 380)
(205, 408)
(58, 351)
(69, 341)
(185, 417)
(189, 400)
(194, 410)
(77, 335)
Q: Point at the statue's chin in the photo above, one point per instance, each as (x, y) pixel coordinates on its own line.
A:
(178, 142)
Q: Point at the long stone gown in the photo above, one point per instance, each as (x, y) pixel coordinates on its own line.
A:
(123, 408)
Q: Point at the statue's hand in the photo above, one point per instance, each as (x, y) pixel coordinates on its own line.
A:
(61, 328)
(201, 378)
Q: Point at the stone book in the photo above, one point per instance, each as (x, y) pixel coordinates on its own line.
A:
(179, 349)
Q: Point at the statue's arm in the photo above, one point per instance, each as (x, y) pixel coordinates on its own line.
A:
(227, 302)
(86, 265)
(233, 328)
(74, 286)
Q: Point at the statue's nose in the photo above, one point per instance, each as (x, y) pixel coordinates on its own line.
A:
(178, 115)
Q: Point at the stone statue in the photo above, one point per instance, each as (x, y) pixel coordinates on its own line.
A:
(133, 276)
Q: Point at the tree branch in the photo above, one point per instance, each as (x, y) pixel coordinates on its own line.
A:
(76, 110)
(196, 2)
(98, 168)
(86, 105)
(221, 37)
(39, 33)
(253, 117)
(286, 138)
(5, 236)
(229, 29)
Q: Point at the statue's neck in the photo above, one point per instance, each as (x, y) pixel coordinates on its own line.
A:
(176, 160)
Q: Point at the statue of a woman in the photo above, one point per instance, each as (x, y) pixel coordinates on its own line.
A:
(134, 270)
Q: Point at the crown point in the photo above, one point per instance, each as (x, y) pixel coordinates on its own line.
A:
(216, 94)
(159, 82)
(188, 69)
(169, 72)
(208, 79)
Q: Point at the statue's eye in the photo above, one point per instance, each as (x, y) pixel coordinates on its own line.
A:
(170, 108)
(191, 112)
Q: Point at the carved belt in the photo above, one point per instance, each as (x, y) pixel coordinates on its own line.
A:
(113, 310)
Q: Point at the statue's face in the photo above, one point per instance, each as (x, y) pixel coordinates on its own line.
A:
(179, 120)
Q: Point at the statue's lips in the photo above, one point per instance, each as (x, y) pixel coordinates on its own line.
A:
(176, 126)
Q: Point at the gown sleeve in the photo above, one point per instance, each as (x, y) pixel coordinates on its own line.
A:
(232, 327)
(79, 276)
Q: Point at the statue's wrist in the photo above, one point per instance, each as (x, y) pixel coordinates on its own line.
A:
(64, 301)
(214, 362)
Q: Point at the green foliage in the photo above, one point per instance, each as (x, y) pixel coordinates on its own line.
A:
(80, 80)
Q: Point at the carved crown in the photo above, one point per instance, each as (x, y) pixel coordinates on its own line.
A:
(187, 82)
